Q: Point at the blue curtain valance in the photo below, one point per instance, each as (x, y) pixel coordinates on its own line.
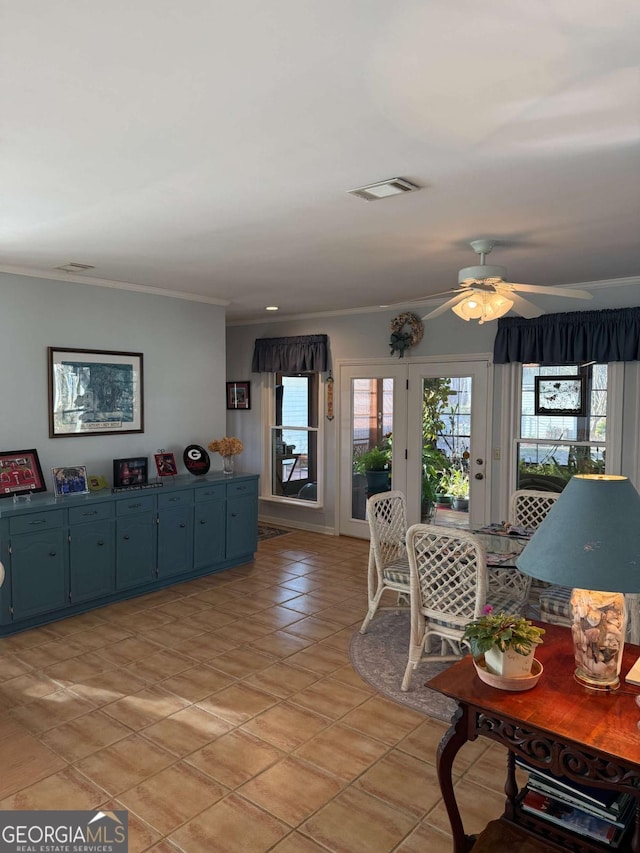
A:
(602, 336)
(297, 354)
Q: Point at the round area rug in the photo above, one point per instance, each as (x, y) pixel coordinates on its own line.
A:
(380, 657)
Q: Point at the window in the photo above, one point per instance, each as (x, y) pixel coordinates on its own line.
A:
(293, 437)
(552, 448)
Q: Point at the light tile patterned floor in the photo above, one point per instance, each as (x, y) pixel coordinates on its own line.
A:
(224, 714)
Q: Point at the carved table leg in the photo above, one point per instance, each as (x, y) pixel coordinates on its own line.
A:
(449, 746)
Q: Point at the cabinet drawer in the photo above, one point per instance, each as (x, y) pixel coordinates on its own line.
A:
(90, 512)
(211, 493)
(36, 521)
(174, 499)
(246, 487)
(134, 505)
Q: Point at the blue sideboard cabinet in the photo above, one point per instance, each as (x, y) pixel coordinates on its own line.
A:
(67, 555)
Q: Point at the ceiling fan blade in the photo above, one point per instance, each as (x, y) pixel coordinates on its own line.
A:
(571, 292)
(445, 305)
(425, 298)
(524, 307)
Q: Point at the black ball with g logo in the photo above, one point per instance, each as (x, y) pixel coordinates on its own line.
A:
(196, 459)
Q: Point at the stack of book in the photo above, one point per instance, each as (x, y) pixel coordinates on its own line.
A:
(599, 813)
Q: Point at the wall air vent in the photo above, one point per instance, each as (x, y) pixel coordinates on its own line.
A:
(74, 267)
(384, 189)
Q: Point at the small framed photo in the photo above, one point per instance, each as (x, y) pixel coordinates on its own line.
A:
(165, 464)
(94, 392)
(70, 480)
(238, 395)
(20, 473)
(561, 395)
(132, 471)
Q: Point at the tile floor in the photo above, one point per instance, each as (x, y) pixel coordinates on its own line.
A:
(224, 715)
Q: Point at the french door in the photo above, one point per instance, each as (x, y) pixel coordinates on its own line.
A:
(393, 407)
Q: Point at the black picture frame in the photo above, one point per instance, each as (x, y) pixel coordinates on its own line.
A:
(131, 471)
(94, 392)
(20, 473)
(560, 396)
(238, 395)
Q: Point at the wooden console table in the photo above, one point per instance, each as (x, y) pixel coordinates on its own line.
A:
(559, 726)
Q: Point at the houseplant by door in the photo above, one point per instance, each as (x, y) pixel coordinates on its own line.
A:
(507, 642)
(375, 465)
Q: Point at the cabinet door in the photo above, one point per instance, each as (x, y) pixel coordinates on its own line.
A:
(175, 541)
(38, 572)
(135, 550)
(91, 560)
(209, 534)
(242, 526)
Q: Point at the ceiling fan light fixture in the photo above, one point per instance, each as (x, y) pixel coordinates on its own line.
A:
(482, 306)
(484, 272)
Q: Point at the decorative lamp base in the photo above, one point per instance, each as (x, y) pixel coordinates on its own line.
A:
(598, 629)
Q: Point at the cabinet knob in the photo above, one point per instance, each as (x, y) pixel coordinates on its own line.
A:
(100, 543)
(183, 524)
(234, 515)
(93, 512)
(39, 521)
(126, 536)
(134, 506)
(174, 499)
(52, 553)
(202, 521)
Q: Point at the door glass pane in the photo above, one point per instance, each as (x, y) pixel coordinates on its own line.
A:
(446, 442)
(372, 440)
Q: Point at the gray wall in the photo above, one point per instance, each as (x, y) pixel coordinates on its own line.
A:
(183, 343)
(366, 335)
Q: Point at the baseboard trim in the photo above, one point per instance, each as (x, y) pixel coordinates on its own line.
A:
(296, 525)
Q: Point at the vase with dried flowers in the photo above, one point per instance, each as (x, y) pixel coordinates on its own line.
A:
(228, 448)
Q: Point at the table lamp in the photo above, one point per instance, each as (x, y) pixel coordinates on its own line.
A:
(590, 540)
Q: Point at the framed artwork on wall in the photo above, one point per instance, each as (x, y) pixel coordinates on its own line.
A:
(238, 395)
(20, 473)
(95, 392)
(70, 481)
(560, 395)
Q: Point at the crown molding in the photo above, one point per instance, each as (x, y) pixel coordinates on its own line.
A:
(74, 278)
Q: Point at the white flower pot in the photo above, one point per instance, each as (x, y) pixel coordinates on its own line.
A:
(509, 664)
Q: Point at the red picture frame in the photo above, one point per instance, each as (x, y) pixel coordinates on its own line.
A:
(20, 473)
(165, 464)
(238, 395)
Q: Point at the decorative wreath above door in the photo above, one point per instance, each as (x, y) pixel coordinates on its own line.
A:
(406, 331)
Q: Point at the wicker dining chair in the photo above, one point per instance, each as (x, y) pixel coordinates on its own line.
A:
(448, 581)
(528, 508)
(388, 567)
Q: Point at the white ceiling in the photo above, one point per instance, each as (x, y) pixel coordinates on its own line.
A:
(207, 148)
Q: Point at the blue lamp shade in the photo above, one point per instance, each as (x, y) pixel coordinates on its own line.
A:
(590, 538)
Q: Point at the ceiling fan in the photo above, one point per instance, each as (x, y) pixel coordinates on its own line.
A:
(483, 292)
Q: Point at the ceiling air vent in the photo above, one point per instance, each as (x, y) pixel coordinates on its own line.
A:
(384, 189)
(74, 267)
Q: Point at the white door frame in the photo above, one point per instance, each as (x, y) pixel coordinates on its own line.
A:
(368, 369)
(480, 369)
(407, 476)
